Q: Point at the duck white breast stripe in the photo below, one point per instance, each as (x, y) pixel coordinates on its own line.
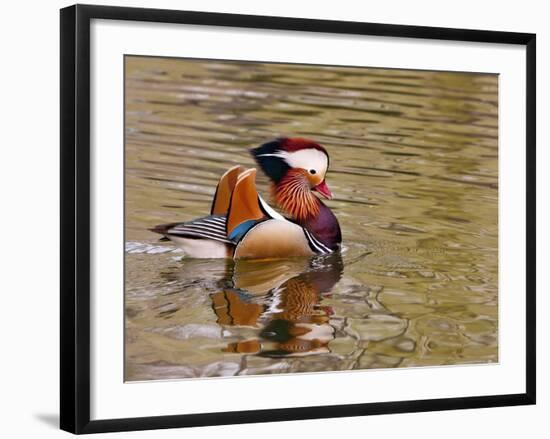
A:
(270, 211)
(319, 246)
(327, 248)
(315, 248)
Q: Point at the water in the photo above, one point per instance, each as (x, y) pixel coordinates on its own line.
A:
(414, 171)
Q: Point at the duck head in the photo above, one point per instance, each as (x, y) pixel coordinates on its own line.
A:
(296, 168)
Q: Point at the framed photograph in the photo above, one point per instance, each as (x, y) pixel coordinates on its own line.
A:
(272, 218)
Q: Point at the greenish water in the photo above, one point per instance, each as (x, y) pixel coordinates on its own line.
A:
(414, 171)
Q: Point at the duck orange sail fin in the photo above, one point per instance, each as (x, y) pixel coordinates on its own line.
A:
(244, 206)
(222, 197)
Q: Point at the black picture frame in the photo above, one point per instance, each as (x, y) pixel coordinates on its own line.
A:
(75, 217)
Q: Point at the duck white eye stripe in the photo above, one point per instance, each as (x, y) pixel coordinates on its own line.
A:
(308, 159)
(280, 154)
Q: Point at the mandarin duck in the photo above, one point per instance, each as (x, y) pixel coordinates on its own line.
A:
(242, 225)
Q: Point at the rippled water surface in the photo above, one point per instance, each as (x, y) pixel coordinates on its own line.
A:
(414, 171)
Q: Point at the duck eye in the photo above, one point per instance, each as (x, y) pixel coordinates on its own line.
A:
(312, 171)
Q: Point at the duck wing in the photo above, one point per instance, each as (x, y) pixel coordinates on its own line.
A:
(212, 226)
(235, 209)
(208, 227)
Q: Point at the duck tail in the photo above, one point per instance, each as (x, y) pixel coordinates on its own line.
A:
(162, 229)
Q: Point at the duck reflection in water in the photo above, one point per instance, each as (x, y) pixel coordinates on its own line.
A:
(282, 301)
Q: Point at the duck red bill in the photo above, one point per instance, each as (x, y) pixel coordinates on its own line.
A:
(323, 189)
